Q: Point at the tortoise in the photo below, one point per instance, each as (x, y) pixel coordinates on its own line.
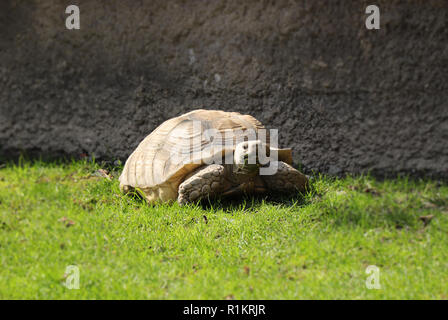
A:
(180, 160)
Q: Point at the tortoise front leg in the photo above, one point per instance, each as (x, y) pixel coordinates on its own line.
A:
(205, 182)
(286, 179)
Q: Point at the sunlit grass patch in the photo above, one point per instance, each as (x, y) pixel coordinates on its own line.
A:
(311, 246)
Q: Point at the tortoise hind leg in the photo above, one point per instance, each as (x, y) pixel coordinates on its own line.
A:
(286, 179)
(206, 182)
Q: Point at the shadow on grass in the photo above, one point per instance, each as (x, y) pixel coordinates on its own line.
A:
(255, 201)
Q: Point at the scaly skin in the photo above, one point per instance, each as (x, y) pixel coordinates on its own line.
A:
(287, 179)
(218, 180)
(205, 182)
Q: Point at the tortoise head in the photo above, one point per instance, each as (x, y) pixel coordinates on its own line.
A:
(246, 159)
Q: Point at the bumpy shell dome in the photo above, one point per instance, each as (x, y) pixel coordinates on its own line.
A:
(154, 170)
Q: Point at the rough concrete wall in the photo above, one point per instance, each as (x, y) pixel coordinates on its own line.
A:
(345, 98)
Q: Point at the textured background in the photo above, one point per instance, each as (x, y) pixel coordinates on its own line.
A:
(345, 98)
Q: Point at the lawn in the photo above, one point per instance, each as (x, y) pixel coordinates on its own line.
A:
(313, 246)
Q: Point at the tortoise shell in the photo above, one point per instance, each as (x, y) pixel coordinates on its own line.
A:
(154, 171)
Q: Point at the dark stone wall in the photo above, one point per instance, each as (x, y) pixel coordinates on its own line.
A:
(345, 98)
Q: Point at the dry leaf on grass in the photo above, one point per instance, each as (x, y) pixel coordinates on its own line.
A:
(426, 219)
(67, 221)
(102, 173)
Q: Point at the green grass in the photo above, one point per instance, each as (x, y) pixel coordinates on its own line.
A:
(315, 246)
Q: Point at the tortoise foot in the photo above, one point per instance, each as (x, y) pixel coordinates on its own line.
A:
(205, 182)
(286, 179)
